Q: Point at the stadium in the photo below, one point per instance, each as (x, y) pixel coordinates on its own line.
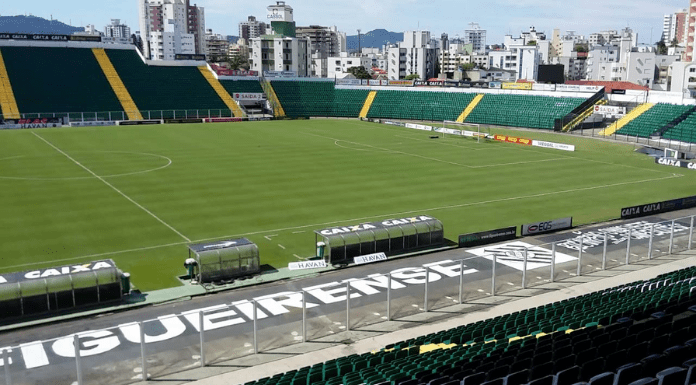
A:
(167, 223)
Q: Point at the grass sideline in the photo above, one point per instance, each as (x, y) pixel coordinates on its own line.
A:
(139, 194)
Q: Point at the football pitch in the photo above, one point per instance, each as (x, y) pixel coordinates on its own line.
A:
(140, 194)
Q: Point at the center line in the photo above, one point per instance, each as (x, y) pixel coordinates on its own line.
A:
(113, 188)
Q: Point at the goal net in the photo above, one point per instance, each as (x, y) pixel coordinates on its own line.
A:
(469, 130)
(671, 153)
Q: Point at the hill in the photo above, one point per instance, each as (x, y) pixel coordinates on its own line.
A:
(374, 39)
(34, 24)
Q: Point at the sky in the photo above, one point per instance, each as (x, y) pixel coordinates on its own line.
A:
(498, 17)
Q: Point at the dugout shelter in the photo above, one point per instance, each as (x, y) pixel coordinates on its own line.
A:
(224, 260)
(391, 236)
(58, 288)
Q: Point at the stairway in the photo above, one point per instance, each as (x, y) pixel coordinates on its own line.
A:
(636, 112)
(7, 99)
(584, 115)
(222, 92)
(117, 85)
(368, 103)
(278, 111)
(462, 117)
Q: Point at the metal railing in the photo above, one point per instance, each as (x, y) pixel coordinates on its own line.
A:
(169, 344)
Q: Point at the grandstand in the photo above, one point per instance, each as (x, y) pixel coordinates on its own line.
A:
(170, 89)
(643, 330)
(684, 131)
(654, 119)
(59, 80)
(522, 110)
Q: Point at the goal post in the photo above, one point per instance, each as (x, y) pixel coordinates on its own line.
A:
(471, 130)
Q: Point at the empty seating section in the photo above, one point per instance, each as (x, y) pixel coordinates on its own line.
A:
(302, 99)
(654, 119)
(348, 103)
(58, 80)
(419, 105)
(180, 90)
(522, 110)
(645, 329)
(685, 131)
(245, 86)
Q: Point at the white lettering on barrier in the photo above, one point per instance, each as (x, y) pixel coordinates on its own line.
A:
(306, 265)
(103, 341)
(215, 317)
(370, 258)
(173, 327)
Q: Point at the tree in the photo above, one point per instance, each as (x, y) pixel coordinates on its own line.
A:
(661, 48)
(412, 77)
(468, 66)
(674, 43)
(532, 42)
(238, 62)
(359, 72)
(580, 48)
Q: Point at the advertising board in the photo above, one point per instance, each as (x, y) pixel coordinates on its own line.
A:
(517, 86)
(555, 146)
(658, 207)
(487, 237)
(547, 226)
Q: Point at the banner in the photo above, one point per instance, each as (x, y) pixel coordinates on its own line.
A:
(31, 123)
(138, 122)
(375, 82)
(675, 163)
(363, 259)
(657, 208)
(348, 82)
(92, 124)
(513, 139)
(488, 237)
(47, 37)
(56, 271)
(402, 83)
(609, 110)
(547, 226)
(577, 88)
(221, 120)
(495, 84)
(555, 146)
(517, 86)
(183, 121)
(185, 56)
(248, 97)
(225, 72)
(543, 87)
(306, 265)
(419, 127)
(375, 225)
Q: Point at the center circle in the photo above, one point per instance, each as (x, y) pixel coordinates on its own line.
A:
(104, 164)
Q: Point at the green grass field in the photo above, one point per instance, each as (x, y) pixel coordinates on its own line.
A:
(139, 194)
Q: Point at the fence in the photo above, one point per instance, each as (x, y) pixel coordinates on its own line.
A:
(154, 348)
(684, 146)
(110, 116)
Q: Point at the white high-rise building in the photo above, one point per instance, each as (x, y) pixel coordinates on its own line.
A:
(413, 56)
(282, 51)
(252, 28)
(117, 32)
(477, 37)
(170, 27)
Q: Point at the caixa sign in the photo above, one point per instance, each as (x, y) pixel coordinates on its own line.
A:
(675, 163)
(547, 226)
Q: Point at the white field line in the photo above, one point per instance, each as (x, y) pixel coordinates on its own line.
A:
(113, 188)
(435, 159)
(392, 151)
(389, 215)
